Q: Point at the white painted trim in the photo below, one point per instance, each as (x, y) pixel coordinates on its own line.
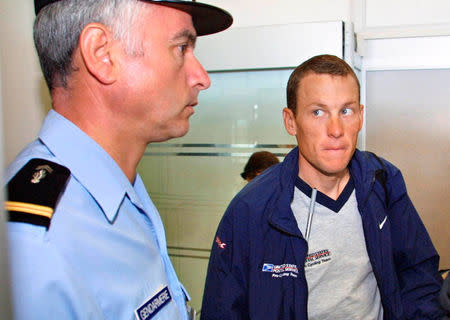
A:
(398, 32)
(407, 53)
(405, 31)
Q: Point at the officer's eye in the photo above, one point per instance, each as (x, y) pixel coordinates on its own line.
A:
(182, 48)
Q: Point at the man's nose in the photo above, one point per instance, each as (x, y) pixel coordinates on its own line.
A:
(335, 127)
(198, 76)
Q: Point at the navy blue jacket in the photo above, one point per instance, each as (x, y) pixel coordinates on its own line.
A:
(259, 227)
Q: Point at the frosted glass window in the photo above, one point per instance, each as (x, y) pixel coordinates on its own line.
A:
(408, 117)
(239, 114)
(241, 108)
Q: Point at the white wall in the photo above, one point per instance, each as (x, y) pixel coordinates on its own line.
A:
(388, 13)
(269, 12)
(365, 14)
(5, 292)
(25, 97)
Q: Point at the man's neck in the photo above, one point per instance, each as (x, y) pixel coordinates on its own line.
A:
(105, 129)
(330, 185)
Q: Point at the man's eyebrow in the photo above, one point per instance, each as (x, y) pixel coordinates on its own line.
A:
(350, 102)
(187, 34)
(321, 104)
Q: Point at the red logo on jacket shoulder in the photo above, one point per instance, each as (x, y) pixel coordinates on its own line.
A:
(221, 244)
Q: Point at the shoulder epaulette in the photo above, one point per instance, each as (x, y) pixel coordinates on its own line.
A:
(34, 192)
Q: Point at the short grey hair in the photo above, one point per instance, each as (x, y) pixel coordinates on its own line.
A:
(58, 26)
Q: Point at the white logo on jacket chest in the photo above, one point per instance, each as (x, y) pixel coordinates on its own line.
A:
(282, 270)
(382, 223)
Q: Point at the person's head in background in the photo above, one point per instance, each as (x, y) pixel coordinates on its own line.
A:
(257, 163)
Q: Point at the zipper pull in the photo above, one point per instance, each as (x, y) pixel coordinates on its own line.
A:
(310, 213)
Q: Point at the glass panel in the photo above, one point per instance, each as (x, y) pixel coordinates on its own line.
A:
(192, 179)
(408, 116)
(241, 108)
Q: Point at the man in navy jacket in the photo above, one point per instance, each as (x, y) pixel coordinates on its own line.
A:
(329, 233)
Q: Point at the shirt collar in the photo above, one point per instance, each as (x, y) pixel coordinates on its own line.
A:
(89, 163)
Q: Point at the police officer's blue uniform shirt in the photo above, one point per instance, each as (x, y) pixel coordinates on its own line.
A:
(104, 254)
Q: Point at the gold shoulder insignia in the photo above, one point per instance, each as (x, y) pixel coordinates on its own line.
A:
(34, 192)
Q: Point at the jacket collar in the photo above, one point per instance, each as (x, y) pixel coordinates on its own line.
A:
(362, 169)
(281, 215)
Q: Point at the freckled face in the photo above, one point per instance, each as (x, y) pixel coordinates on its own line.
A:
(160, 87)
(327, 121)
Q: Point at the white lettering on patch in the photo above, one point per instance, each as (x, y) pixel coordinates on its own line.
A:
(153, 305)
(282, 270)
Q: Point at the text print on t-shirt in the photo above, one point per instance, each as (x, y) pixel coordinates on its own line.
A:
(317, 258)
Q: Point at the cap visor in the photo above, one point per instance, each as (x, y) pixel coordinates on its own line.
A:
(207, 19)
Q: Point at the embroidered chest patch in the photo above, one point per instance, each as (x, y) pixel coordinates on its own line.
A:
(153, 305)
(282, 270)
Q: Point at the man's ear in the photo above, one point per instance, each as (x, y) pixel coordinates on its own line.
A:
(96, 47)
(361, 111)
(289, 121)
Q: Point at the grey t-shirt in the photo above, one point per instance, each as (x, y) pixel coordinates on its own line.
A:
(341, 282)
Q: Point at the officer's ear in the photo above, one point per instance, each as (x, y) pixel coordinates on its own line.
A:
(96, 44)
(289, 121)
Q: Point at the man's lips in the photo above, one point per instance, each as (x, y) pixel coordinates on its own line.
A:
(340, 148)
(192, 104)
(190, 107)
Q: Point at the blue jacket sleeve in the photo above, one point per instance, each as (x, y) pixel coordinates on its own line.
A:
(415, 257)
(225, 287)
